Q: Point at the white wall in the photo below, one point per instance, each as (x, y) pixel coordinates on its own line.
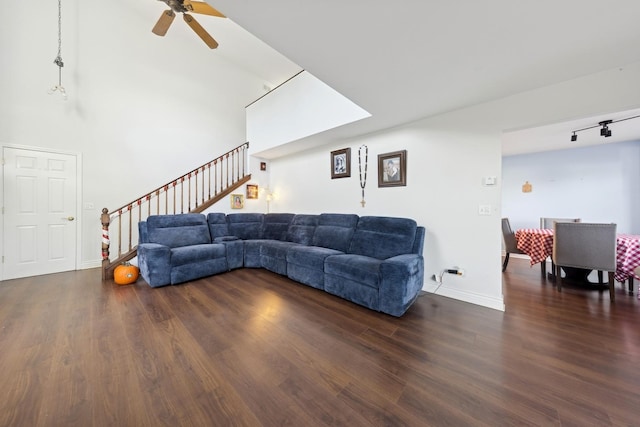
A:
(445, 167)
(142, 109)
(300, 107)
(448, 156)
(597, 184)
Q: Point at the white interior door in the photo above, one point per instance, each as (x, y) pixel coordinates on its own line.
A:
(39, 226)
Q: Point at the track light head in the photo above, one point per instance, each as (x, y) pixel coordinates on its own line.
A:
(605, 129)
(574, 137)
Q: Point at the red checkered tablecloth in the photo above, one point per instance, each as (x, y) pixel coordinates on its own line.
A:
(538, 244)
(535, 242)
(627, 256)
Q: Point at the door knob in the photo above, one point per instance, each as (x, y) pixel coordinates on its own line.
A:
(69, 218)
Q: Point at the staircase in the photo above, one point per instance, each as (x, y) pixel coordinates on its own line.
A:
(192, 192)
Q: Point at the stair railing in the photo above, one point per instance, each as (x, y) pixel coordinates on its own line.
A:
(194, 191)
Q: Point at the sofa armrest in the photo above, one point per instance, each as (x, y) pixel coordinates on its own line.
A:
(401, 279)
(154, 261)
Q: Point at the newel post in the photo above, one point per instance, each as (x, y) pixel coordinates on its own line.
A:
(105, 220)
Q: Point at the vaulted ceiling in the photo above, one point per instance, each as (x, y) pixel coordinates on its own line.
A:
(407, 60)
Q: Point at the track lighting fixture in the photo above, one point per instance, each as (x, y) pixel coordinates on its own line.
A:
(604, 128)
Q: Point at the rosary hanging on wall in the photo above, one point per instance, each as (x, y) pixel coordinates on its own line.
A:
(58, 60)
(363, 177)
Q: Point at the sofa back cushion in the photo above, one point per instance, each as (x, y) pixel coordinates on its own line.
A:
(383, 237)
(178, 230)
(217, 225)
(334, 231)
(275, 225)
(245, 226)
(302, 228)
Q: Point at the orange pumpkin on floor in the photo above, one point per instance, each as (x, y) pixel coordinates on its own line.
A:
(125, 274)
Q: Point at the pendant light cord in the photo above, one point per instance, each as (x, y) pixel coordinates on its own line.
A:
(58, 60)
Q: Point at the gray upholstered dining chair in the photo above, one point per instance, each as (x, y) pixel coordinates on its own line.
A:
(585, 245)
(509, 239)
(547, 223)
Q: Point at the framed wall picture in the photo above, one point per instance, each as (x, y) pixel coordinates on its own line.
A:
(341, 163)
(392, 169)
(263, 166)
(237, 201)
(252, 191)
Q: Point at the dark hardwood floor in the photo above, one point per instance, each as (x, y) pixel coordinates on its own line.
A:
(251, 348)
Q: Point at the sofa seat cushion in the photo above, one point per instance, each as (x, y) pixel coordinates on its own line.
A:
(251, 253)
(196, 253)
(305, 264)
(273, 255)
(310, 256)
(275, 249)
(356, 268)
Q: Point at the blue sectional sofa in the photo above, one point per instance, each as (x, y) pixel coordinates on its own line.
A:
(373, 261)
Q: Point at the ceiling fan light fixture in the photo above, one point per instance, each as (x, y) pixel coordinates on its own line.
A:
(184, 6)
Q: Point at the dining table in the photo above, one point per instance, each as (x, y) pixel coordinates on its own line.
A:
(538, 244)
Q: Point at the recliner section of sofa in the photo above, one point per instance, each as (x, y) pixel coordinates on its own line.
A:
(373, 261)
(177, 249)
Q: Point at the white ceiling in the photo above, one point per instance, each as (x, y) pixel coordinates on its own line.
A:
(416, 58)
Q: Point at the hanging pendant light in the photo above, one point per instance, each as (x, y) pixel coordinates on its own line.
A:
(58, 59)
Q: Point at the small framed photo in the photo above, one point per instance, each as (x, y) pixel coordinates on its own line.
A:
(392, 169)
(252, 191)
(263, 166)
(341, 163)
(237, 201)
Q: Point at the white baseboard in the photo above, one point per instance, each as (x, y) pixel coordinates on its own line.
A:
(482, 300)
(90, 264)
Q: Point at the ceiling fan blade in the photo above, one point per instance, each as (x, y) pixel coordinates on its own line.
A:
(164, 22)
(203, 8)
(195, 26)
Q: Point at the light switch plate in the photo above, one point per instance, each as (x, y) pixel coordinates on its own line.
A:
(484, 209)
(490, 180)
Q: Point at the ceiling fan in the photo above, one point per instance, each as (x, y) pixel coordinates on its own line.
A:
(184, 6)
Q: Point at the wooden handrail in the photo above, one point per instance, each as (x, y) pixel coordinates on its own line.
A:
(194, 191)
